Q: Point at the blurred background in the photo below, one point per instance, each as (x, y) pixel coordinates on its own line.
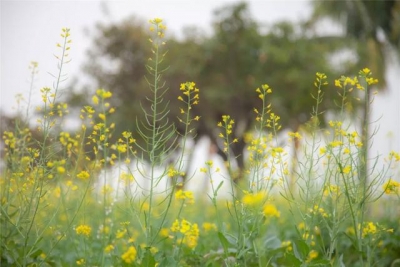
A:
(228, 48)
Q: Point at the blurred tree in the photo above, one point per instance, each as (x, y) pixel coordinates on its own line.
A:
(374, 25)
(240, 59)
(117, 62)
(231, 73)
(227, 67)
(374, 28)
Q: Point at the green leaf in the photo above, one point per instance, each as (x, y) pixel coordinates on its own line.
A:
(289, 260)
(224, 241)
(321, 262)
(300, 249)
(272, 243)
(218, 187)
(148, 259)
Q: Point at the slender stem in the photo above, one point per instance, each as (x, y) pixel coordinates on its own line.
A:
(153, 145)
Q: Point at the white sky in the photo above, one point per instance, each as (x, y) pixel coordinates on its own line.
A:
(30, 30)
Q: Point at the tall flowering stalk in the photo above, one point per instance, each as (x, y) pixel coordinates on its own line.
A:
(160, 135)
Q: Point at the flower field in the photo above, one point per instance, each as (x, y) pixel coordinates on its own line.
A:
(79, 198)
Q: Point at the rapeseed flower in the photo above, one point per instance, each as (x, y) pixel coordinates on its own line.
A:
(185, 195)
(130, 255)
(391, 187)
(83, 229)
(253, 199)
(84, 175)
(270, 210)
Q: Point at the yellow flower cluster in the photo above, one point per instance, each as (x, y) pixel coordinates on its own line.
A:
(186, 196)
(209, 168)
(103, 94)
(273, 122)
(312, 255)
(391, 187)
(83, 175)
(83, 229)
(172, 172)
(270, 210)
(190, 98)
(259, 147)
(58, 166)
(369, 229)
(319, 210)
(191, 92)
(259, 200)
(265, 89)
(253, 199)
(331, 190)
(320, 80)
(190, 232)
(344, 81)
(209, 226)
(294, 135)
(394, 156)
(288, 245)
(70, 143)
(127, 178)
(130, 255)
(9, 140)
(227, 124)
(108, 248)
(158, 26)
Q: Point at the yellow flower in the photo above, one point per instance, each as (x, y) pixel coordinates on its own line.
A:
(164, 232)
(338, 83)
(209, 226)
(95, 100)
(175, 226)
(108, 248)
(347, 169)
(130, 255)
(80, 262)
(394, 155)
(369, 229)
(270, 210)
(60, 170)
(121, 148)
(185, 195)
(185, 226)
(102, 116)
(371, 81)
(84, 175)
(391, 187)
(103, 94)
(250, 199)
(156, 20)
(83, 229)
(312, 255)
(189, 230)
(287, 244)
(366, 71)
(121, 233)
